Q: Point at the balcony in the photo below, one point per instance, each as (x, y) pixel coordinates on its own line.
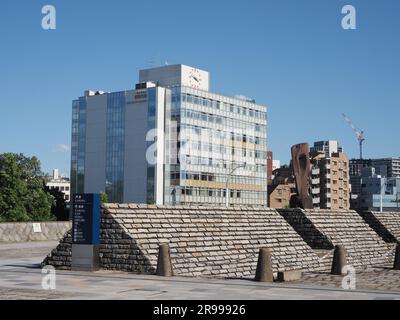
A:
(315, 200)
(327, 166)
(315, 181)
(315, 190)
(315, 171)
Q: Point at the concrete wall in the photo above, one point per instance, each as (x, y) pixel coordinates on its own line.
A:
(31, 231)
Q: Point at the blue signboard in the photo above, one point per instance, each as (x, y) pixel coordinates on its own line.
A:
(86, 218)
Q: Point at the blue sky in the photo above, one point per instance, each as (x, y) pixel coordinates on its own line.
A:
(290, 55)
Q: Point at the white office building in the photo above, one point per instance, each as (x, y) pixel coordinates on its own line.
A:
(170, 141)
(60, 183)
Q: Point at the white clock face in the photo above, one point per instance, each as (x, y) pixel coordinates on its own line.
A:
(195, 78)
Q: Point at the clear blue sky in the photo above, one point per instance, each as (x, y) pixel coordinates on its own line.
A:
(290, 55)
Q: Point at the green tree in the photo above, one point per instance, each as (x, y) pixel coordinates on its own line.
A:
(59, 207)
(103, 197)
(22, 193)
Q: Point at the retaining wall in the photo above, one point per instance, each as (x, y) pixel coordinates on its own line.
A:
(33, 231)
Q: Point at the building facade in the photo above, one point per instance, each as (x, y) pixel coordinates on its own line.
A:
(387, 167)
(282, 189)
(170, 141)
(270, 159)
(356, 167)
(327, 146)
(330, 187)
(61, 184)
(377, 190)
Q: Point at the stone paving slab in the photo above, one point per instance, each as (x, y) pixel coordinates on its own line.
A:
(20, 279)
(20, 284)
(369, 279)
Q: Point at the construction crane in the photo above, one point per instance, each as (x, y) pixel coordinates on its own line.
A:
(360, 133)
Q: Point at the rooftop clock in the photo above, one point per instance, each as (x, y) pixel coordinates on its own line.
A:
(195, 79)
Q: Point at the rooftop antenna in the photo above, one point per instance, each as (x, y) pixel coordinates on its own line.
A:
(360, 133)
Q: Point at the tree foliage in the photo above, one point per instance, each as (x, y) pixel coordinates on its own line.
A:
(59, 206)
(103, 197)
(22, 190)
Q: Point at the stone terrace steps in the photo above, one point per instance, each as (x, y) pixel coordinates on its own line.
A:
(341, 227)
(386, 224)
(60, 257)
(204, 241)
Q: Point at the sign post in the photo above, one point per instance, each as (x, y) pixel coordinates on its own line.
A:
(85, 232)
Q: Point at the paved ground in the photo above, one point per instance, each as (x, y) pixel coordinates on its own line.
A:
(20, 278)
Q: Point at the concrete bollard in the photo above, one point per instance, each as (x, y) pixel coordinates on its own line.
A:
(164, 265)
(339, 260)
(397, 258)
(264, 266)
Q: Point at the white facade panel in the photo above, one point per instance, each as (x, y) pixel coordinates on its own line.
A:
(135, 165)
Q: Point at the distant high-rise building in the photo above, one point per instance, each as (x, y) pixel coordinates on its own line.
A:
(387, 167)
(355, 170)
(375, 187)
(282, 189)
(276, 164)
(327, 146)
(330, 187)
(170, 141)
(59, 183)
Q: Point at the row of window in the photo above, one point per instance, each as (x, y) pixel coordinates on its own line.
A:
(60, 188)
(222, 149)
(220, 163)
(207, 134)
(219, 105)
(221, 120)
(115, 140)
(212, 177)
(219, 193)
